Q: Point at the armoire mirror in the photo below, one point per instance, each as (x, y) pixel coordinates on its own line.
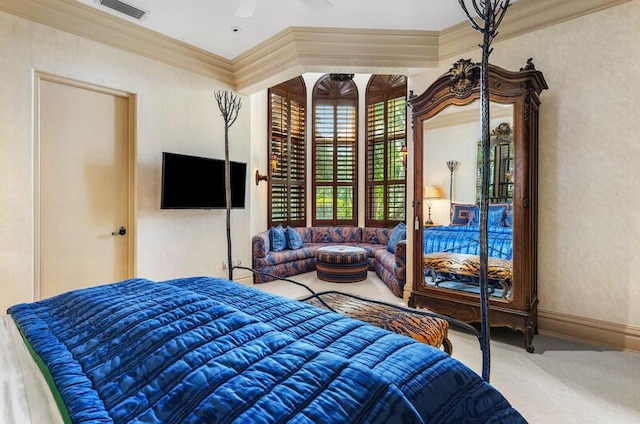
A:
(501, 160)
(447, 168)
(452, 137)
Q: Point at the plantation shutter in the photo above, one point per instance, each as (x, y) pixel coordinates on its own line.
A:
(287, 147)
(335, 147)
(386, 135)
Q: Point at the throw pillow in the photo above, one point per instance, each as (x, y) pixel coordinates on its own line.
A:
(294, 241)
(277, 238)
(460, 213)
(399, 233)
(496, 216)
(508, 220)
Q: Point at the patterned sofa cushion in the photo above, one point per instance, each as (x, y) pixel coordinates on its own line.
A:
(336, 234)
(391, 268)
(305, 233)
(261, 244)
(284, 256)
(286, 269)
(401, 261)
(369, 247)
(375, 235)
(386, 258)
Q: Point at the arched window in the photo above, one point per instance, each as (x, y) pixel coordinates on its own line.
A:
(287, 165)
(386, 184)
(335, 151)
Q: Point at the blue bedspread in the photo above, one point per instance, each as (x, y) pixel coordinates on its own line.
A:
(466, 239)
(206, 350)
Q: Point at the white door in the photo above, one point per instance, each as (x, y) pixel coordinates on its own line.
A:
(83, 145)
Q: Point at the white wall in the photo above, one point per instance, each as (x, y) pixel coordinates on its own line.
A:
(176, 111)
(589, 167)
(259, 161)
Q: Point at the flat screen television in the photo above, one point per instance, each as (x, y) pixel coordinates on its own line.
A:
(193, 182)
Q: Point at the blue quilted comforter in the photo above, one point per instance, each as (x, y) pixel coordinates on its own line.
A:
(205, 350)
(466, 239)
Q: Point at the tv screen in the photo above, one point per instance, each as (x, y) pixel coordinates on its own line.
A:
(193, 182)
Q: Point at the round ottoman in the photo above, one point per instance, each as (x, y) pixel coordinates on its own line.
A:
(341, 264)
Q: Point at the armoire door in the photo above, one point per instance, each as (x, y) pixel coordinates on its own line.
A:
(84, 236)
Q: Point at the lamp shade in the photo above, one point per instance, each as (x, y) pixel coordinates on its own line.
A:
(431, 192)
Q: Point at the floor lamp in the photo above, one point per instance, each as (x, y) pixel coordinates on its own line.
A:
(452, 165)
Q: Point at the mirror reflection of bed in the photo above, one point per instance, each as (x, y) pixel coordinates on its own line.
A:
(451, 158)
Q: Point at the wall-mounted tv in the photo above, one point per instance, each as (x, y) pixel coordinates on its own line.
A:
(193, 182)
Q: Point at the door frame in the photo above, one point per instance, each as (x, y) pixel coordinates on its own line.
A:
(38, 77)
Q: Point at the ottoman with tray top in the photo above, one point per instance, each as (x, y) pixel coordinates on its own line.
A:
(341, 264)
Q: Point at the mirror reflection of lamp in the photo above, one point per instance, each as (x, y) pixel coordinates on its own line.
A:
(431, 193)
(509, 175)
(403, 155)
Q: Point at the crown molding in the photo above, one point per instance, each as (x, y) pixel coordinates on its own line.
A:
(85, 21)
(522, 17)
(298, 50)
(336, 50)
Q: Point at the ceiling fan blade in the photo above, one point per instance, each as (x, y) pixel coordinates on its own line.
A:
(246, 8)
(317, 4)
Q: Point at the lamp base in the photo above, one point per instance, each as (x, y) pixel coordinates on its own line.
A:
(429, 221)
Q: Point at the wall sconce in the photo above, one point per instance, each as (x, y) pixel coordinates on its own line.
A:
(260, 177)
(274, 167)
(403, 156)
(431, 193)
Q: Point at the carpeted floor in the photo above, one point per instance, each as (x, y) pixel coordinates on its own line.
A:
(562, 382)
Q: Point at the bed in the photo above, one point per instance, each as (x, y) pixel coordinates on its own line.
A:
(466, 239)
(451, 258)
(202, 349)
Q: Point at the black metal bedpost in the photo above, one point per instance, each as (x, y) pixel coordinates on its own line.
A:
(490, 13)
(229, 105)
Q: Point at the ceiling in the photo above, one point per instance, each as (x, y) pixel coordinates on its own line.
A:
(208, 24)
(286, 38)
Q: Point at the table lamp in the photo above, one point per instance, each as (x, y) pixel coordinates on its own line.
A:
(431, 193)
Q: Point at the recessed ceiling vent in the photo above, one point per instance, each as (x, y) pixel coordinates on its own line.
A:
(125, 8)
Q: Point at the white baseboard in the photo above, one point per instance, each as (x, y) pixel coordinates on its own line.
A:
(610, 334)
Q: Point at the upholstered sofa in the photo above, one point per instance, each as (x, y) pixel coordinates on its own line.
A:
(390, 267)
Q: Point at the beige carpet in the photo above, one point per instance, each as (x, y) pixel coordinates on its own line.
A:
(562, 382)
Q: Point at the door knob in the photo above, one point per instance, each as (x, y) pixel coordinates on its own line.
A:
(122, 231)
